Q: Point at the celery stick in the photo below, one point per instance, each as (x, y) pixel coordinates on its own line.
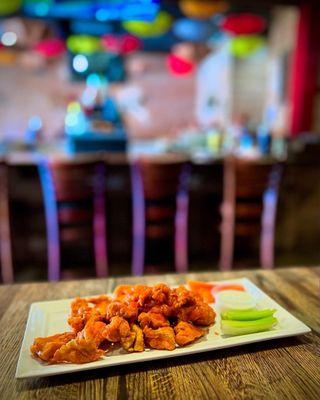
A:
(247, 315)
(234, 328)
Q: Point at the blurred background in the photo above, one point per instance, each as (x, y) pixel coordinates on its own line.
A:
(146, 136)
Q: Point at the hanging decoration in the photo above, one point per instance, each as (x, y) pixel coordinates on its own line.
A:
(192, 30)
(243, 24)
(83, 44)
(181, 61)
(121, 44)
(147, 29)
(178, 65)
(52, 47)
(8, 7)
(202, 9)
(244, 45)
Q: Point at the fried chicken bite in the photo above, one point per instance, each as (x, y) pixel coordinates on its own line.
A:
(200, 314)
(117, 328)
(160, 293)
(152, 320)
(161, 338)
(77, 351)
(127, 342)
(139, 341)
(45, 347)
(187, 333)
(122, 291)
(134, 341)
(99, 299)
(181, 297)
(94, 331)
(83, 309)
(100, 304)
(80, 313)
(163, 309)
(142, 296)
(120, 309)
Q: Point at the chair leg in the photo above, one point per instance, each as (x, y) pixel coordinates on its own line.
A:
(100, 237)
(51, 214)
(227, 244)
(181, 233)
(228, 217)
(5, 236)
(138, 239)
(53, 251)
(267, 231)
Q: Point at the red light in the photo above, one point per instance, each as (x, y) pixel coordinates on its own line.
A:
(123, 44)
(243, 24)
(178, 65)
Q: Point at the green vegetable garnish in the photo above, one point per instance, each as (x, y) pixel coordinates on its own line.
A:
(247, 315)
(234, 328)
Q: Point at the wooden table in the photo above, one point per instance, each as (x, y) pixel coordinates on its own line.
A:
(279, 369)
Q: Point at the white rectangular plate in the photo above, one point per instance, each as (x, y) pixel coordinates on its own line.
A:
(50, 317)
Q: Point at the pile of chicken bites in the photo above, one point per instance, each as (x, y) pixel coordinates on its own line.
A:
(134, 317)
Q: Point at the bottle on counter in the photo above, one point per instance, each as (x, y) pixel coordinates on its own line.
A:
(263, 139)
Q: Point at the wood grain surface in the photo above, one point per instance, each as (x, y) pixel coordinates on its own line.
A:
(279, 369)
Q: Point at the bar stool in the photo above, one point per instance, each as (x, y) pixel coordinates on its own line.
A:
(5, 236)
(249, 207)
(160, 206)
(73, 193)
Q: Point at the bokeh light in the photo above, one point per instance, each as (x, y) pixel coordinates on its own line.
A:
(159, 26)
(9, 39)
(80, 63)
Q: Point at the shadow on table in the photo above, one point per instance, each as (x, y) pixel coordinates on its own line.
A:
(121, 371)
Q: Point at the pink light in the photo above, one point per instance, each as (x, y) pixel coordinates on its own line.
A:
(53, 47)
(120, 44)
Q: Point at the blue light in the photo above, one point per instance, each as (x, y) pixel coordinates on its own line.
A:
(102, 15)
(93, 80)
(80, 63)
(192, 30)
(139, 12)
(35, 123)
(71, 120)
(41, 9)
(75, 123)
(144, 10)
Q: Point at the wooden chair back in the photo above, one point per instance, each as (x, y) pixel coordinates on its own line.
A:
(249, 207)
(205, 199)
(160, 206)
(73, 191)
(5, 234)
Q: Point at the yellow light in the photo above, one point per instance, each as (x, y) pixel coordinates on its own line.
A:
(244, 45)
(74, 107)
(202, 9)
(83, 44)
(9, 6)
(160, 25)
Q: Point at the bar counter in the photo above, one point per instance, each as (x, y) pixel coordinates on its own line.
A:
(278, 369)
